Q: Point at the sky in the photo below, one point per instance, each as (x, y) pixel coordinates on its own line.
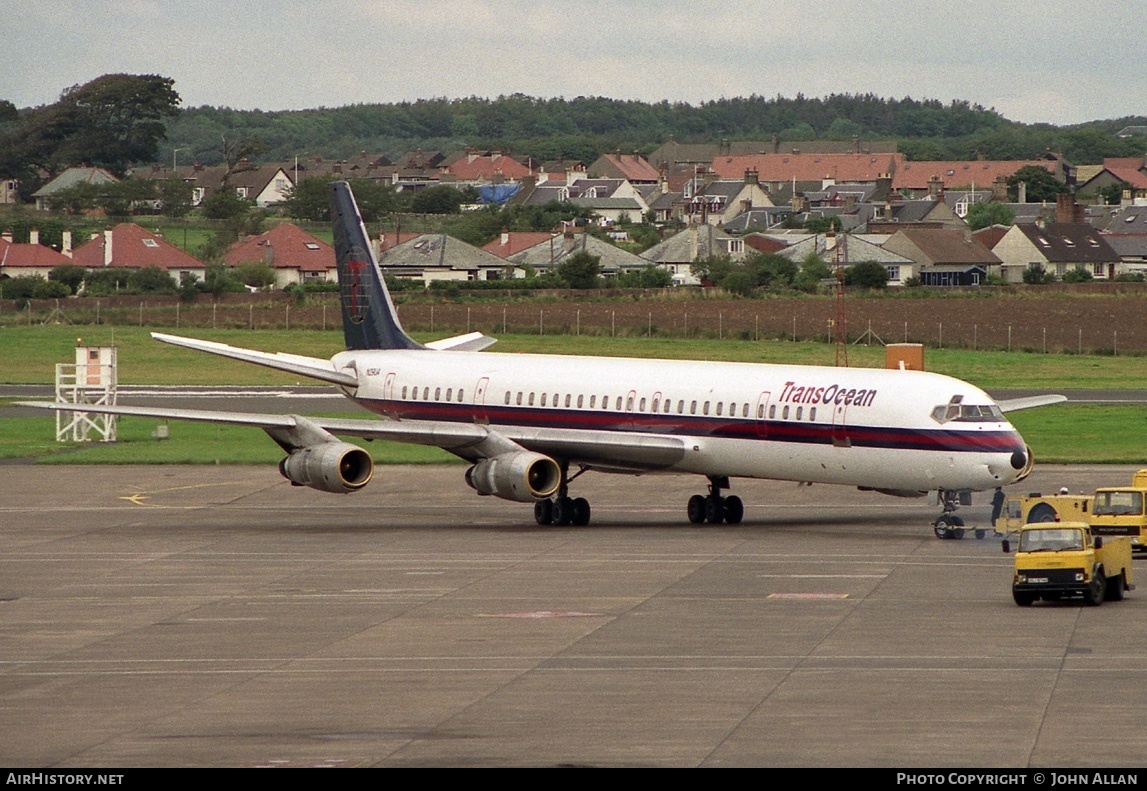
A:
(1053, 61)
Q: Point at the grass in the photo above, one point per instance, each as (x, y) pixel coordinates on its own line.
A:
(1069, 433)
(189, 443)
(28, 356)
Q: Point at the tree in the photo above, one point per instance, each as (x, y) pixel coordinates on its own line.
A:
(1036, 275)
(442, 199)
(110, 122)
(1041, 185)
(580, 270)
(987, 214)
(174, 197)
(1112, 194)
(310, 200)
(866, 274)
(70, 275)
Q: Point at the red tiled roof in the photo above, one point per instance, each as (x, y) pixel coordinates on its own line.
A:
(474, 168)
(286, 246)
(516, 242)
(916, 175)
(134, 247)
(1129, 169)
(632, 167)
(810, 167)
(28, 255)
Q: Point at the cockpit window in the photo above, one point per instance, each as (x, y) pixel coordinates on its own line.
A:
(968, 413)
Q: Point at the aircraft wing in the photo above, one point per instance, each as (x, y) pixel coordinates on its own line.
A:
(313, 367)
(1030, 402)
(632, 452)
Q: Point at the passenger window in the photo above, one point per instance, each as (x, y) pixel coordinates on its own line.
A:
(720, 407)
(746, 409)
(785, 414)
(507, 398)
(668, 403)
(618, 406)
(772, 412)
(438, 394)
(706, 407)
(531, 399)
(404, 393)
(543, 399)
(592, 401)
(656, 404)
(629, 404)
(519, 398)
(680, 407)
(812, 413)
(461, 395)
(579, 401)
(449, 393)
(641, 406)
(567, 400)
(693, 408)
(800, 409)
(760, 411)
(426, 394)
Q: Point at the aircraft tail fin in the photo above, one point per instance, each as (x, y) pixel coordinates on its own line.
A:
(369, 318)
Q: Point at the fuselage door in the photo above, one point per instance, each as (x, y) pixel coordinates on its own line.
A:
(840, 436)
(480, 400)
(761, 416)
(388, 387)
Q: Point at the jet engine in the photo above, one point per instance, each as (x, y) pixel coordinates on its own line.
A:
(337, 467)
(522, 476)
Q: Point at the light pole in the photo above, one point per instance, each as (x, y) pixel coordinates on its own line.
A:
(175, 151)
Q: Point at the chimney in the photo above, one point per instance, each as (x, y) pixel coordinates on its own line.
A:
(34, 236)
(1066, 209)
(268, 253)
(66, 247)
(1023, 192)
(1000, 189)
(108, 247)
(752, 176)
(505, 236)
(935, 187)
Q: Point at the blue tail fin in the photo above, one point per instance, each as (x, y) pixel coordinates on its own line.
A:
(369, 318)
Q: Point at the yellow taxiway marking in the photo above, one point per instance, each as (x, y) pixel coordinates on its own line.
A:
(139, 497)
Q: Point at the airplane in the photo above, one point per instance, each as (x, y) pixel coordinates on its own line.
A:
(524, 422)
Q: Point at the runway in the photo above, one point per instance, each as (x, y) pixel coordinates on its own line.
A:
(217, 616)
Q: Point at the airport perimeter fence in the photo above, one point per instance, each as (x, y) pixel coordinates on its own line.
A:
(1108, 326)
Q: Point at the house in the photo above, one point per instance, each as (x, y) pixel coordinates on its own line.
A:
(1057, 247)
(295, 255)
(72, 177)
(633, 168)
(265, 185)
(943, 256)
(429, 257)
(9, 191)
(920, 179)
(810, 172)
(847, 249)
(719, 202)
(492, 168)
(19, 259)
(129, 246)
(677, 253)
(1129, 171)
(893, 215)
(610, 200)
(549, 252)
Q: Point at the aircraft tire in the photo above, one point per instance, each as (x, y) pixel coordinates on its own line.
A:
(544, 512)
(696, 509)
(714, 509)
(581, 512)
(734, 510)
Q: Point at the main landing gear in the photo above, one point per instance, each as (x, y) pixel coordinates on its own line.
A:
(713, 508)
(948, 525)
(563, 509)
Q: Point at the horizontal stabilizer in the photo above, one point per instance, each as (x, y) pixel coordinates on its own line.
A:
(1016, 404)
(312, 367)
(471, 342)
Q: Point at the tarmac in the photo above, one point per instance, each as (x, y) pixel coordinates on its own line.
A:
(217, 616)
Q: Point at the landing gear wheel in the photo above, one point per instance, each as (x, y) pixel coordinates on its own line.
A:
(714, 509)
(696, 509)
(948, 527)
(562, 511)
(1095, 594)
(581, 512)
(980, 535)
(734, 510)
(544, 512)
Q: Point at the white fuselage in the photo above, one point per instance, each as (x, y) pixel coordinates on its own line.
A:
(864, 427)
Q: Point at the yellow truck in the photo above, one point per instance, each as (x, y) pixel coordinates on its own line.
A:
(1056, 560)
(1036, 507)
(1118, 511)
